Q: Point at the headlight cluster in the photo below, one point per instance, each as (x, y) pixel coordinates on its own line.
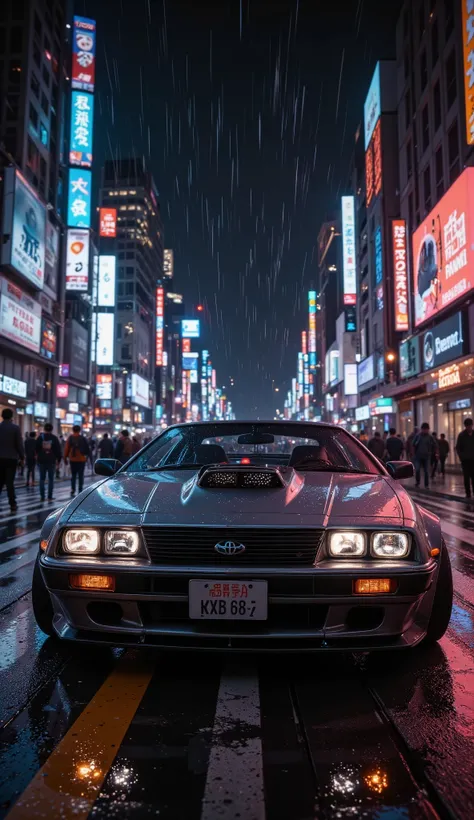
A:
(348, 544)
(88, 542)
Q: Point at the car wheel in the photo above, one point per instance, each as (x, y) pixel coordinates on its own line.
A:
(443, 600)
(41, 600)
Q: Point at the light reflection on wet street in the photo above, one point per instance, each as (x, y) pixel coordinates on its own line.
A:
(390, 734)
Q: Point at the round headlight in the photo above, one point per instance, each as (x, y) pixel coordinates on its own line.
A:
(346, 544)
(81, 542)
(121, 542)
(390, 544)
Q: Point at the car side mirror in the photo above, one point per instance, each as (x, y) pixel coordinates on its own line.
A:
(400, 469)
(106, 466)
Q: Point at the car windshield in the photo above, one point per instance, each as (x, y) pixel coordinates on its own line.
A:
(311, 447)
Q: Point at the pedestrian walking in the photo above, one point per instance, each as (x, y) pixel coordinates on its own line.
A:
(124, 447)
(394, 446)
(30, 457)
(62, 445)
(136, 445)
(465, 451)
(12, 451)
(376, 446)
(424, 448)
(435, 456)
(443, 450)
(21, 464)
(48, 454)
(76, 452)
(106, 447)
(409, 446)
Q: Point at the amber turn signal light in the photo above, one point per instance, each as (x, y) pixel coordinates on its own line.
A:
(103, 582)
(435, 552)
(43, 544)
(374, 586)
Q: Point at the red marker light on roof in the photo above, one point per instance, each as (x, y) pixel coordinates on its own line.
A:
(200, 308)
(245, 461)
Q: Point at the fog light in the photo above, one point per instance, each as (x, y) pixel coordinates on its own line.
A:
(106, 582)
(372, 586)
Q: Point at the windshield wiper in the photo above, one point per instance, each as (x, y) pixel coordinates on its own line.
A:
(184, 466)
(333, 469)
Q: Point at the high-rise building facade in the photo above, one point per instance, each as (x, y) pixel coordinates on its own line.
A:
(435, 116)
(33, 62)
(129, 188)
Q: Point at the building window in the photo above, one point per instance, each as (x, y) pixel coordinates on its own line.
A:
(34, 119)
(406, 23)
(439, 173)
(14, 76)
(33, 157)
(407, 109)
(423, 70)
(37, 25)
(448, 17)
(126, 352)
(427, 189)
(46, 76)
(410, 212)
(42, 184)
(437, 106)
(425, 129)
(453, 151)
(451, 79)
(434, 44)
(44, 135)
(44, 103)
(421, 19)
(15, 40)
(129, 288)
(35, 86)
(406, 63)
(36, 54)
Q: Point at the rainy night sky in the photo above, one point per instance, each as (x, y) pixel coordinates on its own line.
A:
(245, 111)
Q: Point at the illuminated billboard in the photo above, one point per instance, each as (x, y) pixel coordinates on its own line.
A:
(468, 62)
(20, 316)
(103, 388)
(400, 273)
(83, 54)
(24, 228)
(82, 117)
(350, 380)
(108, 222)
(106, 283)
(79, 198)
(348, 250)
(372, 106)
(168, 263)
(190, 328)
(160, 303)
(105, 338)
(77, 260)
(373, 165)
(140, 391)
(312, 330)
(190, 361)
(443, 250)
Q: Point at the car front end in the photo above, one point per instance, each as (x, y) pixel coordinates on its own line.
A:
(252, 588)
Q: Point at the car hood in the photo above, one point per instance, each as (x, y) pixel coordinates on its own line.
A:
(309, 499)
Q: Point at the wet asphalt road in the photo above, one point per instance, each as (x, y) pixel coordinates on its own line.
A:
(184, 736)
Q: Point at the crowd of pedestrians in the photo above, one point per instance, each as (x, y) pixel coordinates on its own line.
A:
(45, 454)
(428, 452)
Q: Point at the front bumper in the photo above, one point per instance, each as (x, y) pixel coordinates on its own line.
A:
(308, 610)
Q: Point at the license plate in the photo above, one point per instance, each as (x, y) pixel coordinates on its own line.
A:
(228, 600)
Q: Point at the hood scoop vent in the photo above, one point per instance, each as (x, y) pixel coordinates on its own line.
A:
(224, 477)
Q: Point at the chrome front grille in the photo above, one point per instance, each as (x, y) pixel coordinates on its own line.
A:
(264, 546)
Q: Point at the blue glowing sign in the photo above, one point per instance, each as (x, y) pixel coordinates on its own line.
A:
(79, 198)
(82, 117)
(378, 255)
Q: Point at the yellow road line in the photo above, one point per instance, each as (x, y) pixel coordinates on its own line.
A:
(70, 780)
